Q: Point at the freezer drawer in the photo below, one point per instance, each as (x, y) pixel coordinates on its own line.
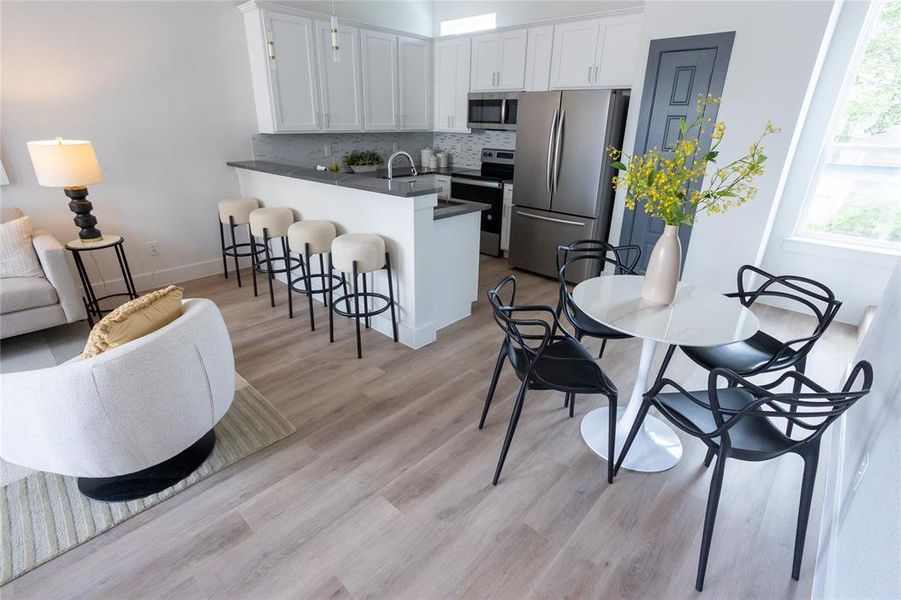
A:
(535, 235)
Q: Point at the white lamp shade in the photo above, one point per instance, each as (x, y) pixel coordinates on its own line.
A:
(64, 163)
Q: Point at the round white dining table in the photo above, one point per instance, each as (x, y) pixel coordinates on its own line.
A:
(697, 317)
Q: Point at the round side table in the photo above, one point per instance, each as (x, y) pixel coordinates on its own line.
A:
(91, 301)
(698, 316)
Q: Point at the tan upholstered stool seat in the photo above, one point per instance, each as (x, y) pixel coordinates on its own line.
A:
(366, 248)
(239, 208)
(318, 234)
(275, 220)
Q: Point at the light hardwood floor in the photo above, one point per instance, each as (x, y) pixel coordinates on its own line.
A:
(385, 490)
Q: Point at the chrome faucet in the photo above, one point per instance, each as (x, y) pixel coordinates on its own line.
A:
(391, 160)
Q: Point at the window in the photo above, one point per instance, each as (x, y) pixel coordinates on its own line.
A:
(468, 24)
(855, 195)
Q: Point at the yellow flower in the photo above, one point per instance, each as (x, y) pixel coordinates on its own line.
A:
(718, 130)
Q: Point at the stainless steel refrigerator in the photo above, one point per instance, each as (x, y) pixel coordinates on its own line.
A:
(561, 184)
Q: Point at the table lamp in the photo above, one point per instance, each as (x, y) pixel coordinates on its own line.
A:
(71, 165)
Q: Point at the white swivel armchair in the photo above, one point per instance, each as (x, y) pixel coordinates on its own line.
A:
(31, 303)
(128, 422)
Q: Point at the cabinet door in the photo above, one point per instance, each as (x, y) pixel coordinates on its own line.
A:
(575, 47)
(451, 84)
(511, 60)
(415, 83)
(293, 83)
(485, 59)
(538, 58)
(617, 54)
(381, 109)
(461, 93)
(340, 82)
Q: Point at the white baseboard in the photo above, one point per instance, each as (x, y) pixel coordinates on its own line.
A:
(157, 279)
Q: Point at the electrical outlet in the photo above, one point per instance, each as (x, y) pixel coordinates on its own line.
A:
(154, 247)
(326, 149)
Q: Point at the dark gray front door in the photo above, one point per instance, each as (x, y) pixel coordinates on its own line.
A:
(679, 69)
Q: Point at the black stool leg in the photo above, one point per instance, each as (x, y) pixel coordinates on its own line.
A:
(269, 266)
(611, 435)
(222, 244)
(713, 500)
(331, 306)
(603, 347)
(391, 296)
(811, 460)
(231, 226)
(357, 312)
(289, 267)
(493, 385)
(639, 420)
(254, 263)
(323, 277)
(346, 292)
(365, 301)
(309, 283)
(572, 405)
(511, 429)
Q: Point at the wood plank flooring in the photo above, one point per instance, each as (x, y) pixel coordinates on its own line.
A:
(385, 490)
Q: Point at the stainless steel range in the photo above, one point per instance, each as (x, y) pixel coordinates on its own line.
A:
(487, 185)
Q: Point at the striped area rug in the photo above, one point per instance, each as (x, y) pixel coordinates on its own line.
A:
(43, 515)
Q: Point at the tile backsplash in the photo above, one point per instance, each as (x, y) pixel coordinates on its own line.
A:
(307, 149)
(466, 148)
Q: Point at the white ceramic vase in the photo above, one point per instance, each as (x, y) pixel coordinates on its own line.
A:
(662, 276)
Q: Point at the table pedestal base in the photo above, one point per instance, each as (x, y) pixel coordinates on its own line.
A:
(656, 447)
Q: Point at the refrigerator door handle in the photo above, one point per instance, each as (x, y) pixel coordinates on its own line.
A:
(541, 218)
(557, 143)
(550, 153)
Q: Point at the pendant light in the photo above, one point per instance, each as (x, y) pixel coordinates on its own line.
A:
(336, 49)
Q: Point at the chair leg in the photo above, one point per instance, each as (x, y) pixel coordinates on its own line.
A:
(711, 452)
(611, 435)
(289, 274)
(807, 483)
(365, 301)
(603, 347)
(323, 278)
(269, 267)
(713, 500)
(666, 360)
(331, 306)
(254, 263)
(796, 389)
(572, 404)
(222, 243)
(565, 400)
(511, 428)
(493, 385)
(346, 292)
(357, 312)
(391, 296)
(231, 227)
(639, 420)
(308, 282)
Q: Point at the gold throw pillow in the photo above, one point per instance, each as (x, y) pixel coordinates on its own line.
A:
(134, 319)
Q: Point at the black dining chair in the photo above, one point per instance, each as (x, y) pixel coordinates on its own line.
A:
(585, 256)
(737, 422)
(545, 357)
(763, 353)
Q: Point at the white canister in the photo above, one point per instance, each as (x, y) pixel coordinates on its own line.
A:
(433, 161)
(425, 155)
(442, 160)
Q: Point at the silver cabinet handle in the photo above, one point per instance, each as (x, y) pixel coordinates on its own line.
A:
(557, 144)
(540, 218)
(477, 182)
(596, 71)
(589, 73)
(550, 150)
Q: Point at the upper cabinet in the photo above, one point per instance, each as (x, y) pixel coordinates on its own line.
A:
(415, 80)
(538, 58)
(595, 52)
(451, 84)
(283, 70)
(381, 107)
(341, 82)
(498, 61)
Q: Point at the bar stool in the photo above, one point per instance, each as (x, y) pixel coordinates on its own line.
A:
(308, 238)
(234, 212)
(360, 254)
(271, 223)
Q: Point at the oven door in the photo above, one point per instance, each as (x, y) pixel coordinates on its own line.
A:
(490, 193)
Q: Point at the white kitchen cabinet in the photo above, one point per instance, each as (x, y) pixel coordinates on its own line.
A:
(283, 70)
(381, 107)
(539, 50)
(415, 79)
(452, 59)
(595, 52)
(340, 82)
(499, 61)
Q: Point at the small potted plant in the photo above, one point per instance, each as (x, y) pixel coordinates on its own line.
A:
(671, 186)
(364, 161)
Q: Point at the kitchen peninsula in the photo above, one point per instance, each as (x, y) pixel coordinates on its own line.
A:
(434, 245)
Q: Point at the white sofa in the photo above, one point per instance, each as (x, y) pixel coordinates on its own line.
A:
(126, 410)
(31, 303)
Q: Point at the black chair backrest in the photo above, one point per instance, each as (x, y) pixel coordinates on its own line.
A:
(623, 258)
(812, 407)
(809, 294)
(526, 338)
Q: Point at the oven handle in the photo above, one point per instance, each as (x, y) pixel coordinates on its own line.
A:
(540, 218)
(488, 184)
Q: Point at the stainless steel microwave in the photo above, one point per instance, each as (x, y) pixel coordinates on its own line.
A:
(492, 110)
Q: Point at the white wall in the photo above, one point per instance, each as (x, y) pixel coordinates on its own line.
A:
(523, 12)
(773, 57)
(414, 16)
(163, 91)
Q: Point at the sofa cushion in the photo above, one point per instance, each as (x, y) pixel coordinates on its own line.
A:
(22, 293)
(17, 255)
(134, 319)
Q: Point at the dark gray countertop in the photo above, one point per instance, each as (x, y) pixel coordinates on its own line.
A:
(369, 182)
